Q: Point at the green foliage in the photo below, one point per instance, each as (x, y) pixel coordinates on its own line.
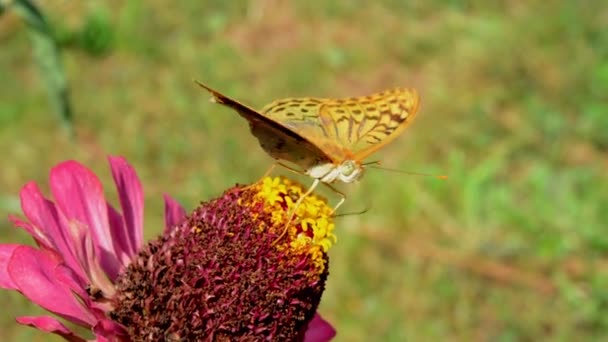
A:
(48, 57)
(95, 36)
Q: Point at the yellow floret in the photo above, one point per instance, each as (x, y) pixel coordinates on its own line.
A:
(311, 229)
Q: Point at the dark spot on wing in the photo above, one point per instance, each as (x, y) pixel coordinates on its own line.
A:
(342, 118)
(398, 118)
(373, 139)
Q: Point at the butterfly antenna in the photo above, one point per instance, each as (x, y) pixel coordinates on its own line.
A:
(375, 162)
(353, 213)
(409, 173)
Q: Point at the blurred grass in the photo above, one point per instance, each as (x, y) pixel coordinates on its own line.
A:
(513, 247)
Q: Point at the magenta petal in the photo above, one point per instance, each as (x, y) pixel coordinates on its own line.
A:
(6, 252)
(37, 234)
(319, 330)
(42, 214)
(46, 226)
(174, 213)
(49, 228)
(131, 197)
(51, 325)
(66, 275)
(86, 252)
(79, 195)
(34, 272)
(107, 328)
(118, 233)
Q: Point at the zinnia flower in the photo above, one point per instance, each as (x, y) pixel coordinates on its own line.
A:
(217, 274)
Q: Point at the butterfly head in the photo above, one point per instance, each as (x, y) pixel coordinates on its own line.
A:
(349, 171)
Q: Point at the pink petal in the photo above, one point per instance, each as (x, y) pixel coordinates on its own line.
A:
(39, 236)
(87, 255)
(107, 328)
(174, 213)
(34, 272)
(80, 197)
(131, 197)
(46, 225)
(319, 330)
(6, 252)
(118, 230)
(66, 276)
(51, 325)
(42, 214)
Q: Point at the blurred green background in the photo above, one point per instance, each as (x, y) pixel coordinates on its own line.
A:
(512, 247)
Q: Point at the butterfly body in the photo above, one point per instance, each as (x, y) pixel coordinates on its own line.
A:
(328, 138)
(346, 172)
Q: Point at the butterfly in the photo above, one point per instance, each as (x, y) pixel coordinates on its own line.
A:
(328, 138)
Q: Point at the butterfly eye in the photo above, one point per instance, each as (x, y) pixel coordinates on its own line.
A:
(348, 168)
(349, 171)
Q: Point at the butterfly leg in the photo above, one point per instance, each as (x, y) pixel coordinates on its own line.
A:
(272, 167)
(340, 193)
(268, 171)
(296, 171)
(295, 207)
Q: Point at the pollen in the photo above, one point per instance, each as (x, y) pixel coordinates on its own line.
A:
(309, 225)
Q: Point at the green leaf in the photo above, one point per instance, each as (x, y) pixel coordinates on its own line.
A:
(47, 55)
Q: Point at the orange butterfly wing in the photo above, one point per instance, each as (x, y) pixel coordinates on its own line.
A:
(367, 123)
(349, 128)
(278, 139)
(313, 131)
